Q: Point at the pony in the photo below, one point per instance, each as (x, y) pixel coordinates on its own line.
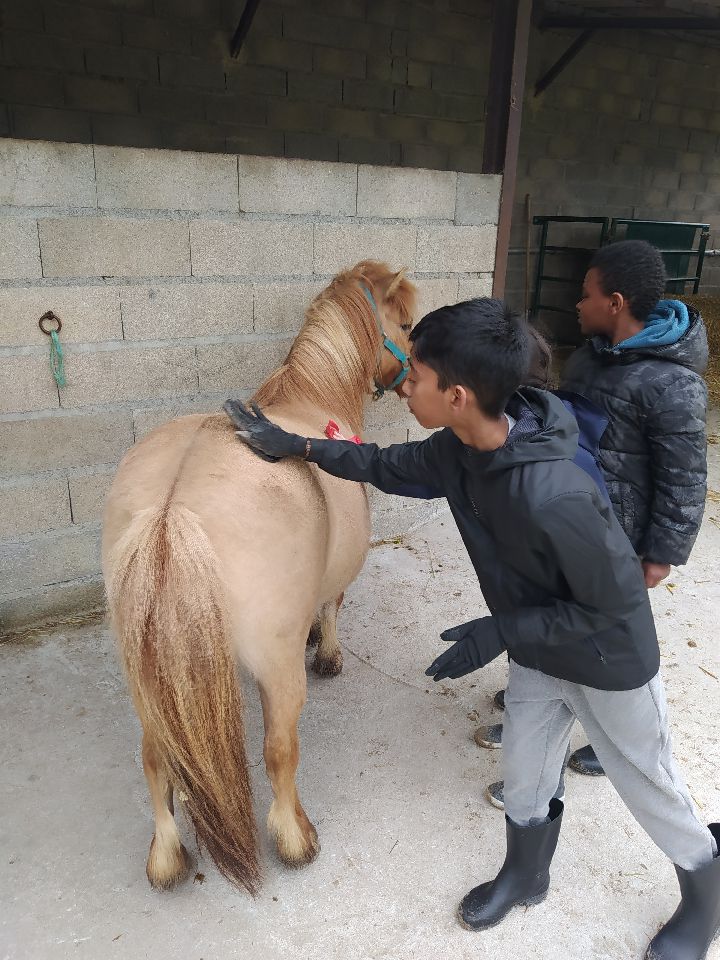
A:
(213, 557)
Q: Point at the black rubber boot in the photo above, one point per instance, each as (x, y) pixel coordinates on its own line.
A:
(584, 761)
(692, 928)
(524, 878)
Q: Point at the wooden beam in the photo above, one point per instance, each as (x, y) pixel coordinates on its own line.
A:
(243, 27)
(557, 68)
(508, 62)
(630, 23)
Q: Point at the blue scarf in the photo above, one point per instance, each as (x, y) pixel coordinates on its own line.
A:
(668, 322)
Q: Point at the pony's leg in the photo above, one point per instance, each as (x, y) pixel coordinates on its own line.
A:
(328, 660)
(168, 861)
(282, 699)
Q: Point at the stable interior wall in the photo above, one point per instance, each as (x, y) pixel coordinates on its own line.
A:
(181, 279)
(630, 129)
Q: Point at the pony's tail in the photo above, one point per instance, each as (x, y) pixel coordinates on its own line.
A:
(166, 603)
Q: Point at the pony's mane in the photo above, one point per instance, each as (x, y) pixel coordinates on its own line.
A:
(334, 355)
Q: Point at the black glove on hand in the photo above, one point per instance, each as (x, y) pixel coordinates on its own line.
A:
(474, 645)
(264, 438)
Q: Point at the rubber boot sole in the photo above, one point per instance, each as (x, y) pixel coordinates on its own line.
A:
(529, 902)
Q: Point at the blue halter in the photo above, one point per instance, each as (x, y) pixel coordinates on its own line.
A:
(390, 345)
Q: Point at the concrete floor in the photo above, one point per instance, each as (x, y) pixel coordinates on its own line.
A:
(388, 773)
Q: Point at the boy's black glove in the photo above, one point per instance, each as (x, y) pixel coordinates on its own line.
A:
(264, 438)
(474, 645)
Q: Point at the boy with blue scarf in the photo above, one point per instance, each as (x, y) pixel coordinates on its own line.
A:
(642, 366)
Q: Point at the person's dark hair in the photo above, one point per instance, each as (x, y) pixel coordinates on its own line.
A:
(635, 269)
(479, 344)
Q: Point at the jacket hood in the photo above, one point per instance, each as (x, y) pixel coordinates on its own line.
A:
(689, 350)
(545, 430)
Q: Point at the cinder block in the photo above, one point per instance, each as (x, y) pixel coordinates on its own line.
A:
(156, 33)
(341, 63)
(389, 411)
(281, 53)
(44, 174)
(28, 384)
(239, 366)
(19, 250)
(350, 123)
(255, 140)
(454, 79)
(165, 180)
(44, 123)
(146, 420)
(383, 152)
(250, 248)
(261, 80)
(170, 104)
(425, 155)
(316, 87)
(122, 374)
(470, 287)
(478, 198)
(666, 179)
(103, 96)
(377, 95)
(104, 247)
(33, 506)
(182, 71)
(274, 185)
(87, 495)
(339, 245)
(30, 445)
(127, 131)
(281, 307)
(166, 312)
(435, 293)
(392, 192)
(88, 314)
(58, 556)
(225, 108)
(54, 602)
(456, 249)
(311, 146)
(66, 20)
(122, 62)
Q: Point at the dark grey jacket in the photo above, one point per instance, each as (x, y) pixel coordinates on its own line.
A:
(563, 584)
(653, 452)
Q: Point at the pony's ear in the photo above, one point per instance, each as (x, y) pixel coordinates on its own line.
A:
(395, 282)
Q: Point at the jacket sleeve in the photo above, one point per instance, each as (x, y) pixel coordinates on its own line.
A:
(391, 469)
(603, 580)
(678, 459)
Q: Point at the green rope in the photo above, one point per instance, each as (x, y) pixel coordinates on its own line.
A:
(57, 363)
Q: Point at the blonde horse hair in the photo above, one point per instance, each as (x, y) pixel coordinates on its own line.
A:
(340, 333)
(177, 657)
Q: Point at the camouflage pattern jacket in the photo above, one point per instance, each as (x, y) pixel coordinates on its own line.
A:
(653, 452)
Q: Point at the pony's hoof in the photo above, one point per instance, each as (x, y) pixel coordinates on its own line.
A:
(315, 635)
(299, 852)
(328, 666)
(167, 868)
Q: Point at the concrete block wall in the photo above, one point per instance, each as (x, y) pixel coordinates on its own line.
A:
(631, 128)
(391, 82)
(181, 279)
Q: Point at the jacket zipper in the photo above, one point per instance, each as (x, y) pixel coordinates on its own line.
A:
(597, 649)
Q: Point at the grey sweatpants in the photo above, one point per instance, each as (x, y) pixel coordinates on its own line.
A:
(628, 729)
